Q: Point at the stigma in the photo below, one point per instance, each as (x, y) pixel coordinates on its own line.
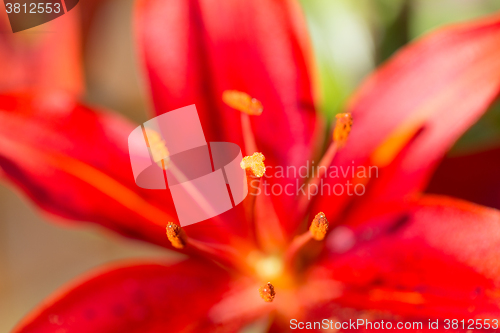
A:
(157, 148)
(342, 128)
(242, 102)
(176, 235)
(267, 292)
(319, 227)
(255, 164)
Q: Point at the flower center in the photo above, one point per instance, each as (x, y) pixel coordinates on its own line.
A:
(279, 269)
(270, 267)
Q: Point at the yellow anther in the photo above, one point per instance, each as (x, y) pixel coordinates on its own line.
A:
(319, 226)
(242, 102)
(342, 128)
(176, 235)
(157, 148)
(255, 164)
(267, 292)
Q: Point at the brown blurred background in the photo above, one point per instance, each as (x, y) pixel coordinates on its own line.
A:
(350, 39)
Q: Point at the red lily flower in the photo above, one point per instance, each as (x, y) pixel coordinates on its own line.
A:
(392, 254)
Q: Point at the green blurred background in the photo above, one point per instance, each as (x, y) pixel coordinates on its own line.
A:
(350, 37)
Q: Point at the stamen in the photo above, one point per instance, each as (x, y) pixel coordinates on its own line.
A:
(243, 102)
(221, 254)
(340, 135)
(248, 106)
(157, 148)
(317, 231)
(255, 164)
(255, 168)
(267, 292)
(342, 128)
(319, 227)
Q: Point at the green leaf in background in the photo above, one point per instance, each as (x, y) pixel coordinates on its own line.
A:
(428, 15)
(345, 36)
(351, 38)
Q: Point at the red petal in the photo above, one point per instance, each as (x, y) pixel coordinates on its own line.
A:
(73, 162)
(440, 259)
(47, 58)
(195, 50)
(474, 177)
(410, 111)
(135, 298)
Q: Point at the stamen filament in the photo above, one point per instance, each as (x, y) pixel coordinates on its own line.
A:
(253, 184)
(248, 106)
(255, 168)
(298, 243)
(341, 133)
(317, 230)
(248, 137)
(323, 165)
(161, 156)
(225, 254)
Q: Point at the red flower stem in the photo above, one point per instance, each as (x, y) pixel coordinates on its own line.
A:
(322, 167)
(248, 137)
